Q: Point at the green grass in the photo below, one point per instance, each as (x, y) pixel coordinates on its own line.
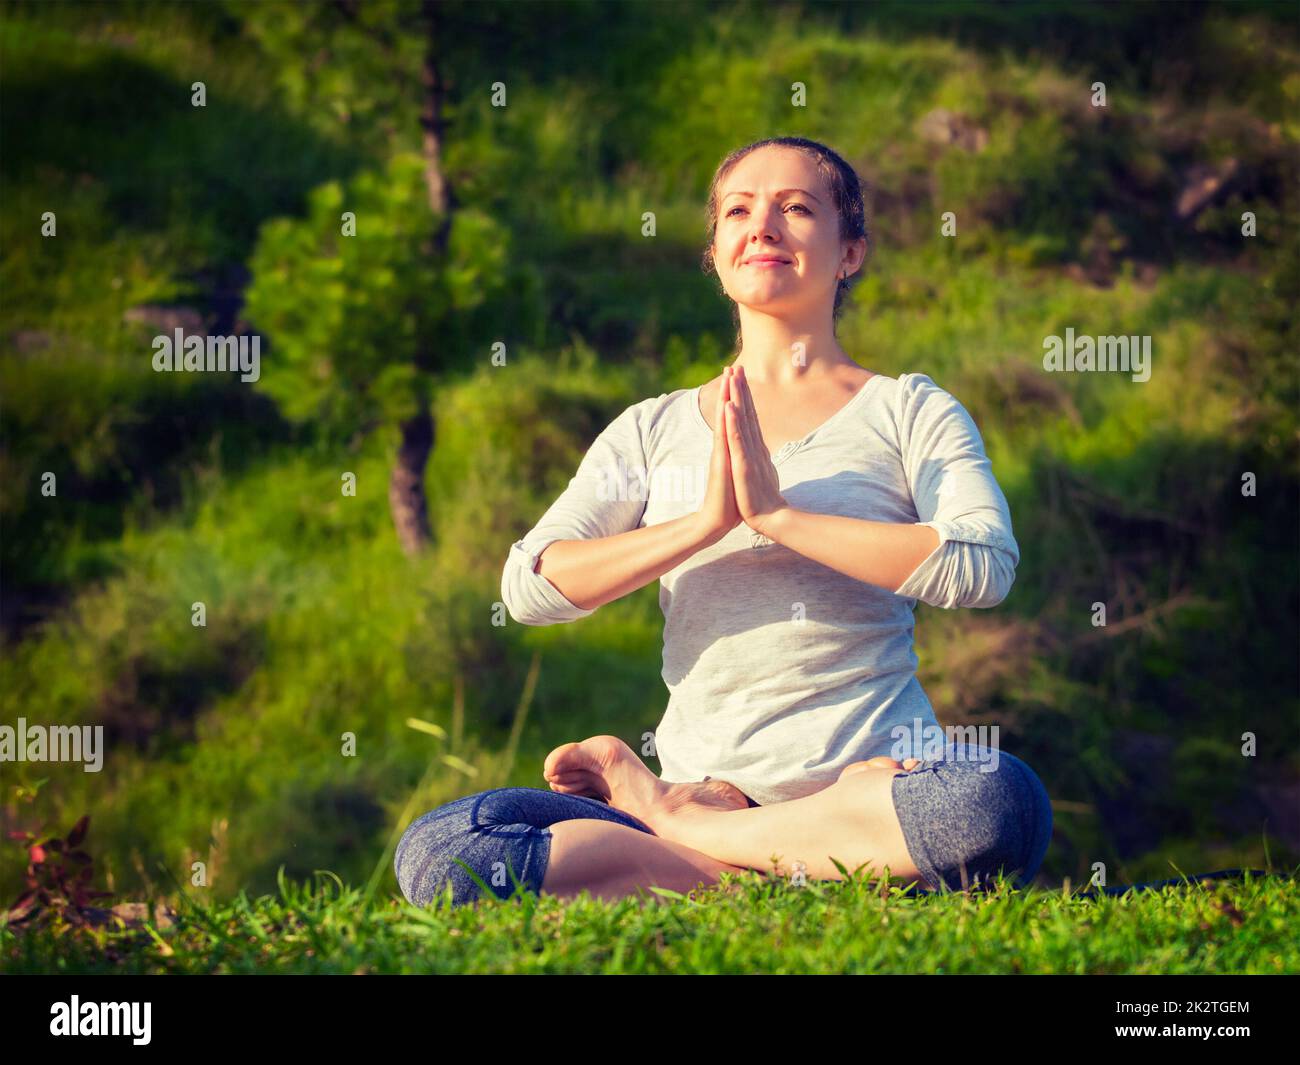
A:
(747, 924)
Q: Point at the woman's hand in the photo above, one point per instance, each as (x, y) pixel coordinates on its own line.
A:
(719, 513)
(754, 478)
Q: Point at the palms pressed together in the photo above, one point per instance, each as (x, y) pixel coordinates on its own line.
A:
(743, 482)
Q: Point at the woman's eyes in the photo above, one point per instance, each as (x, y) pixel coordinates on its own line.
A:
(799, 205)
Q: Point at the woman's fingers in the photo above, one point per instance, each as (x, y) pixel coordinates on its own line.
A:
(736, 444)
(751, 417)
(750, 439)
(745, 404)
(735, 429)
(726, 394)
(753, 433)
(719, 429)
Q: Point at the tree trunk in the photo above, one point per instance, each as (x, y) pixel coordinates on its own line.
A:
(432, 124)
(406, 497)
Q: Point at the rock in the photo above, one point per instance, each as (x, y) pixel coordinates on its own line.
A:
(166, 319)
(1145, 274)
(1100, 249)
(125, 915)
(28, 341)
(136, 913)
(942, 126)
(1202, 183)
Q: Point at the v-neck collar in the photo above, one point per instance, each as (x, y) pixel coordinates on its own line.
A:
(786, 450)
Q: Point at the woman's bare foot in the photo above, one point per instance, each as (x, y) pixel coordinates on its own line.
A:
(605, 767)
(880, 762)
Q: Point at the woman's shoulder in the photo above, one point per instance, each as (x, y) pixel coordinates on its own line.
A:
(914, 383)
(907, 390)
(916, 411)
(652, 410)
(644, 419)
(914, 391)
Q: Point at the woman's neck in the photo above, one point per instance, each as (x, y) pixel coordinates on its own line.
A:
(791, 361)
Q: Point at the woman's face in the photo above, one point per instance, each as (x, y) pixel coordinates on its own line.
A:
(776, 246)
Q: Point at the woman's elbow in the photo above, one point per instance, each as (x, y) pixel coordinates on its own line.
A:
(530, 599)
(978, 578)
(989, 583)
(521, 604)
(985, 599)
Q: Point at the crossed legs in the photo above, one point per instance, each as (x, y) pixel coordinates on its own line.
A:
(613, 861)
(703, 830)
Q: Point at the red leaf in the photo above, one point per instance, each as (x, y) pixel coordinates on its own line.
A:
(24, 836)
(78, 832)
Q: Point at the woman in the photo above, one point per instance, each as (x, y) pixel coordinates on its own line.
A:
(830, 500)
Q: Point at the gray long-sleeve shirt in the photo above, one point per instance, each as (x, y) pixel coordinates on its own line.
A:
(780, 670)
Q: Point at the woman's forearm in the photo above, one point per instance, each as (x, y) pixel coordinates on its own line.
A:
(590, 573)
(880, 553)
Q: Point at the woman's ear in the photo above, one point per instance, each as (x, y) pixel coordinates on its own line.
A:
(855, 254)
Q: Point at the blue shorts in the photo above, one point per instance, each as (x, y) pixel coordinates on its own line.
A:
(496, 833)
(957, 821)
(962, 824)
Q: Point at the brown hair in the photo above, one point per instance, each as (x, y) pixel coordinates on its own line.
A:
(846, 194)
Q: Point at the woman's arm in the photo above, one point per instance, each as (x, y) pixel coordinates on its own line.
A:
(962, 552)
(591, 573)
(587, 550)
(881, 553)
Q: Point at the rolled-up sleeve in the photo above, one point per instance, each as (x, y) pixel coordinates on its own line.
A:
(956, 494)
(606, 496)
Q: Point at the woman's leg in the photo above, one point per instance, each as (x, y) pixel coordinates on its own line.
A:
(612, 861)
(952, 822)
(557, 844)
(853, 821)
(971, 813)
(944, 821)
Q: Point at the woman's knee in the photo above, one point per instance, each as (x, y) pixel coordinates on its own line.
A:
(502, 835)
(964, 821)
(490, 832)
(1036, 812)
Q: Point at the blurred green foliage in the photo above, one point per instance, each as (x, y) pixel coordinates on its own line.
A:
(358, 304)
